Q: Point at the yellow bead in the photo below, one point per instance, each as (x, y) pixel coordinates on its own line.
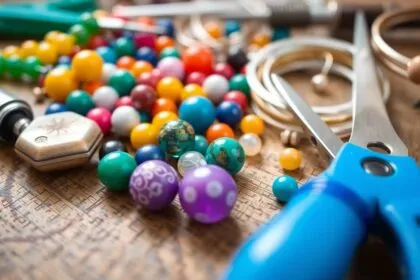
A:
(169, 87)
(162, 118)
(290, 159)
(28, 48)
(87, 66)
(140, 67)
(51, 37)
(192, 90)
(260, 39)
(214, 29)
(252, 124)
(144, 134)
(11, 50)
(64, 43)
(47, 53)
(59, 82)
(100, 13)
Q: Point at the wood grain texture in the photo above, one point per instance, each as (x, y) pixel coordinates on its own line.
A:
(65, 225)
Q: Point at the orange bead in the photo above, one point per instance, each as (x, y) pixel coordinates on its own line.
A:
(90, 87)
(169, 87)
(144, 134)
(252, 124)
(162, 118)
(192, 90)
(11, 50)
(125, 62)
(164, 104)
(214, 29)
(163, 42)
(290, 159)
(100, 13)
(146, 21)
(64, 43)
(28, 48)
(140, 67)
(58, 83)
(87, 66)
(219, 130)
(47, 53)
(260, 39)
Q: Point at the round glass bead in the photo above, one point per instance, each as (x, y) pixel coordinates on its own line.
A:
(163, 104)
(149, 152)
(28, 48)
(169, 87)
(226, 153)
(124, 46)
(115, 169)
(140, 67)
(196, 78)
(102, 117)
(147, 54)
(237, 57)
(144, 117)
(11, 50)
(111, 146)
(168, 25)
(260, 39)
(171, 66)
(162, 42)
(87, 66)
(14, 66)
(290, 159)
(198, 59)
(239, 82)
(201, 144)
(108, 54)
(176, 138)
(124, 119)
(144, 40)
(162, 118)
(80, 102)
(47, 53)
(91, 87)
(105, 97)
(213, 29)
(208, 194)
(224, 69)
(251, 143)
(154, 184)
(58, 83)
(55, 107)
(232, 26)
(125, 62)
(143, 97)
(219, 130)
(169, 52)
(237, 97)
(229, 112)
(97, 41)
(144, 134)
(107, 70)
(280, 33)
(199, 112)
(80, 33)
(284, 188)
(122, 81)
(64, 43)
(89, 22)
(64, 60)
(124, 101)
(189, 161)
(191, 90)
(252, 124)
(216, 86)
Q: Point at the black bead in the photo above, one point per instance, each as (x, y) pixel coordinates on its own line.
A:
(111, 146)
(237, 58)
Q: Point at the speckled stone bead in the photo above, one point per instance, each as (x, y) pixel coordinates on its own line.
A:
(189, 161)
(226, 153)
(176, 137)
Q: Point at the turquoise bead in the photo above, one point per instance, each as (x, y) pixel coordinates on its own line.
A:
(169, 52)
(124, 46)
(239, 82)
(32, 67)
(122, 81)
(232, 26)
(176, 138)
(144, 117)
(280, 33)
(284, 187)
(90, 23)
(201, 144)
(80, 102)
(226, 153)
(115, 169)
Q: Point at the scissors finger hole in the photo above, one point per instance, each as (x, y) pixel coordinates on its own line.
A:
(379, 147)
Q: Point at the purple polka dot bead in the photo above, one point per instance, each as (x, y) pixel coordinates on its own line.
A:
(208, 194)
(171, 66)
(154, 184)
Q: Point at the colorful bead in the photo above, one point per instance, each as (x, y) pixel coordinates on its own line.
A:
(124, 119)
(260, 39)
(125, 62)
(107, 70)
(105, 97)
(144, 40)
(97, 41)
(208, 194)
(232, 26)
(163, 42)
(87, 66)
(189, 161)
(47, 53)
(219, 130)
(147, 79)
(280, 33)
(28, 48)
(198, 59)
(213, 29)
(149, 152)
(64, 44)
(199, 112)
(122, 81)
(108, 54)
(80, 102)
(216, 86)
(14, 66)
(11, 50)
(55, 107)
(237, 57)
(58, 83)
(226, 153)
(51, 36)
(251, 143)
(80, 34)
(239, 82)
(144, 134)
(201, 144)
(115, 169)
(196, 78)
(169, 87)
(237, 97)
(89, 22)
(144, 117)
(154, 184)
(191, 90)
(111, 146)
(162, 118)
(102, 117)
(124, 46)
(64, 60)
(143, 97)
(91, 86)
(252, 124)
(176, 138)
(147, 54)
(290, 159)
(224, 69)
(163, 104)
(284, 188)
(168, 25)
(2, 64)
(140, 67)
(125, 101)
(229, 112)
(169, 52)
(171, 67)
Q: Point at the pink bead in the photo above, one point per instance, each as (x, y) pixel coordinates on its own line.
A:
(102, 117)
(144, 40)
(148, 79)
(196, 78)
(171, 66)
(124, 101)
(224, 69)
(143, 97)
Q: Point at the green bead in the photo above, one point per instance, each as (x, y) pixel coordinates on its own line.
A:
(124, 46)
(176, 138)
(239, 82)
(115, 169)
(122, 81)
(90, 23)
(80, 102)
(32, 67)
(169, 52)
(81, 34)
(284, 187)
(14, 66)
(226, 153)
(2, 64)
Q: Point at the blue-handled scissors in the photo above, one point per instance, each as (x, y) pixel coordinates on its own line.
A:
(362, 191)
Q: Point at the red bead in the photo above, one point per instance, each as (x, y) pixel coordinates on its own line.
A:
(102, 117)
(97, 41)
(224, 69)
(196, 78)
(198, 59)
(238, 97)
(144, 40)
(243, 70)
(143, 97)
(124, 101)
(147, 79)
(76, 50)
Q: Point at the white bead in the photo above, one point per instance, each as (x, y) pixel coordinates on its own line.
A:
(320, 83)
(107, 70)
(124, 119)
(216, 86)
(190, 161)
(105, 97)
(251, 143)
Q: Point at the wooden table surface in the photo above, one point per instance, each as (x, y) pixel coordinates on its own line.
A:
(65, 225)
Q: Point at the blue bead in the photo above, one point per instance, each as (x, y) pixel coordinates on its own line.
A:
(229, 112)
(201, 144)
(280, 33)
(128, 34)
(168, 25)
(232, 26)
(149, 152)
(64, 60)
(284, 187)
(144, 117)
(55, 108)
(107, 54)
(147, 54)
(199, 112)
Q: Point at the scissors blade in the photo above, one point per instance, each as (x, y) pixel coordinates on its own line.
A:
(321, 133)
(371, 127)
